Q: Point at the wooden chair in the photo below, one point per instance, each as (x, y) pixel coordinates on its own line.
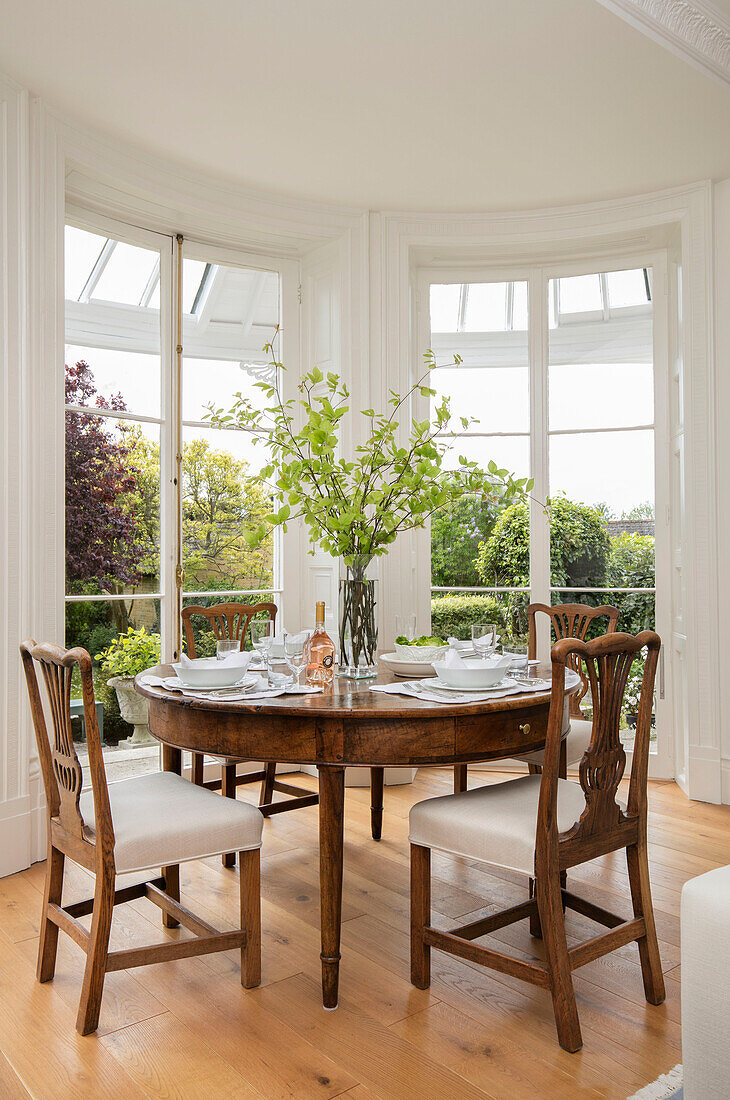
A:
(157, 820)
(542, 825)
(568, 620)
(231, 620)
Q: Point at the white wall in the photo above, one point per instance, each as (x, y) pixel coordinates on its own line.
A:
(722, 413)
(358, 277)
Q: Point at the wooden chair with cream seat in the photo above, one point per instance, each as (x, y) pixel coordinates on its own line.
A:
(232, 620)
(567, 620)
(541, 825)
(157, 820)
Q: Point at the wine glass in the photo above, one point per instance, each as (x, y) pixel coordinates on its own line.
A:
(296, 651)
(262, 637)
(484, 639)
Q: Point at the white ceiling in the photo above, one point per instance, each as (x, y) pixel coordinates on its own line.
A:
(386, 104)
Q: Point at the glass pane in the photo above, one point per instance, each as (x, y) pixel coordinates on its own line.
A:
(519, 306)
(216, 382)
(510, 452)
(81, 251)
(452, 614)
(626, 288)
(497, 397)
(127, 380)
(445, 299)
(112, 505)
(580, 294)
(593, 395)
(221, 501)
(595, 479)
(126, 274)
(193, 272)
(486, 307)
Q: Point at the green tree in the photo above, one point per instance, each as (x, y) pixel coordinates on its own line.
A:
(221, 505)
(455, 537)
(632, 566)
(579, 546)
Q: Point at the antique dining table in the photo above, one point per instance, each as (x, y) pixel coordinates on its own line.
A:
(347, 725)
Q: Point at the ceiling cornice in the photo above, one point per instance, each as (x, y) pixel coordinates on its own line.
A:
(697, 32)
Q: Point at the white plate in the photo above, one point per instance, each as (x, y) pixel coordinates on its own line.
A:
(409, 669)
(176, 684)
(303, 689)
(505, 682)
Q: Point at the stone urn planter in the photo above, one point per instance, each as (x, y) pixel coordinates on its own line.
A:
(134, 709)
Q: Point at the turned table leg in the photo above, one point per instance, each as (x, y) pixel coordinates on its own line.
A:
(376, 802)
(331, 822)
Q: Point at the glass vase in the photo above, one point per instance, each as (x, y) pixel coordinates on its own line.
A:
(358, 625)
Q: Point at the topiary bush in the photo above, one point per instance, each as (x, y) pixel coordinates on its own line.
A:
(452, 616)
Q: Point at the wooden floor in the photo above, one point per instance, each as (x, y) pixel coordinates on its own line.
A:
(187, 1029)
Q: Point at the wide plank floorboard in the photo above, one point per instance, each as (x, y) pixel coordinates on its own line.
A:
(188, 1029)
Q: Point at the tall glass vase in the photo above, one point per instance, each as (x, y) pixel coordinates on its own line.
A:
(358, 631)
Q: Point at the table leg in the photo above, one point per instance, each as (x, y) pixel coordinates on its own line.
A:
(376, 802)
(331, 825)
(171, 762)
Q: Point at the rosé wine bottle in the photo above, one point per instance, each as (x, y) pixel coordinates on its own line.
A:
(321, 666)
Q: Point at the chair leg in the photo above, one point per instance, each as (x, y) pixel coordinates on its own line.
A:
(250, 871)
(228, 790)
(267, 785)
(420, 915)
(171, 876)
(96, 956)
(535, 926)
(651, 964)
(49, 931)
(377, 779)
(534, 769)
(460, 774)
(198, 761)
(552, 920)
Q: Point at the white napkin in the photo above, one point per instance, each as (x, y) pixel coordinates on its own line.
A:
(453, 659)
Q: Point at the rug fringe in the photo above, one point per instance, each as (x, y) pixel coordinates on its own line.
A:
(664, 1086)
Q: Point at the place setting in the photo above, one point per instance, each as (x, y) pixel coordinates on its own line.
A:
(460, 671)
(275, 666)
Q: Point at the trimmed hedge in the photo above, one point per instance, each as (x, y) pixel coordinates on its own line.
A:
(452, 616)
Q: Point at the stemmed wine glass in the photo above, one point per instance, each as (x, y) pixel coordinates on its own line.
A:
(296, 651)
(262, 637)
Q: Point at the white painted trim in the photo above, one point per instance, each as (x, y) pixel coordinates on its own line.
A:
(697, 32)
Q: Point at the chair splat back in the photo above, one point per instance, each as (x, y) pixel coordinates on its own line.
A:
(60, 766)
(227, 620)
(607, 662)
(571, 620)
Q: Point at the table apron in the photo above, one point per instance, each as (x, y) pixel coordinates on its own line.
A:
(411, 740)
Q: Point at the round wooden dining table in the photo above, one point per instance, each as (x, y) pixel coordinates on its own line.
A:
(346, 725)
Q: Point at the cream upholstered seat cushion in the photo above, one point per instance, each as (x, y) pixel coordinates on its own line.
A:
(495, 824)
(578, 740)
(162, 819)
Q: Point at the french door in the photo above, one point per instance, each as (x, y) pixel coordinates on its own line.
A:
(566, 370)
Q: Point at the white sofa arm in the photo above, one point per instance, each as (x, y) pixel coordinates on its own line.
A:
(706, 986)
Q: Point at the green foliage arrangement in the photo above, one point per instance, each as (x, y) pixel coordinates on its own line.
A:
(130, 654)
(452, 616)
(579, 546)
(355, 508)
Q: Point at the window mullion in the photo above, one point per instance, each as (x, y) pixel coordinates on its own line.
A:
(538, 371)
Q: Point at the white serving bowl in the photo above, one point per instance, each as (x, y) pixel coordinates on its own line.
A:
(421, 654)
(210, 672)
(472, 674)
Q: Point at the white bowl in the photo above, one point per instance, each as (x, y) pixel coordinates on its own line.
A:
(472, 674)
(210, 672)
(420, 654)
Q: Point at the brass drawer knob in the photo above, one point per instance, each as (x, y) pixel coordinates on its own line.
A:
(525, 728)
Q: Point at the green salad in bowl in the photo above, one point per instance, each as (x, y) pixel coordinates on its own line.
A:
(424, 650)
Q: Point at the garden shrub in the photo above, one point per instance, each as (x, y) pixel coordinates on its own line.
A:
(452, 616)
